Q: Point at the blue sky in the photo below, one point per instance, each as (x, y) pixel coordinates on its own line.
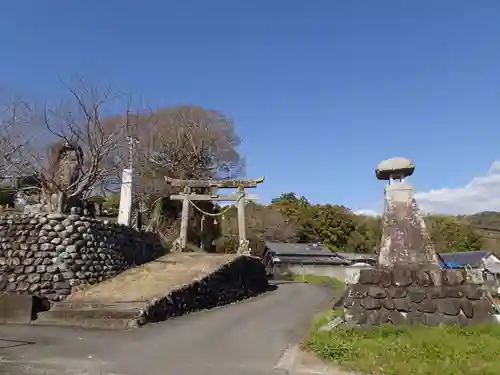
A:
(320, 91)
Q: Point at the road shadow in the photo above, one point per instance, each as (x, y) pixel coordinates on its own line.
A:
(275, 282)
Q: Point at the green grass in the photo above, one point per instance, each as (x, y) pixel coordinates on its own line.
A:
(330, 281)
(415, 350)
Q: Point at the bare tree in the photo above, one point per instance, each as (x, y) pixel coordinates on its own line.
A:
(182, 142)
(74, 159)
(14, 117)
(186, 142)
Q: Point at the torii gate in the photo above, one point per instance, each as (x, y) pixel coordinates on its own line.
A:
(241, 197)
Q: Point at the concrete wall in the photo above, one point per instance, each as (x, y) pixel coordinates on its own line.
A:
(337, 272)
(49, 255)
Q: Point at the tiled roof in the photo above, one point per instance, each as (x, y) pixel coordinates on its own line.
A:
(279, 248)
(317, 260)
(300, 253)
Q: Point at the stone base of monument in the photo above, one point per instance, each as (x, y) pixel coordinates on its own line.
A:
(408, 295)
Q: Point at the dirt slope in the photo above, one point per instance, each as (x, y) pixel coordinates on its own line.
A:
(154, 279)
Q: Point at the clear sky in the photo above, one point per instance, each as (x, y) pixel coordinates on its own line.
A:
(320, 91)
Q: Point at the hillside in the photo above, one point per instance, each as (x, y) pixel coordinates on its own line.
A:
(487, 224)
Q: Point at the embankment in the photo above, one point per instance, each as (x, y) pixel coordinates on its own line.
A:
(170, 286)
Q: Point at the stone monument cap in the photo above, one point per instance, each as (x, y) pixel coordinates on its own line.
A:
(394, 168)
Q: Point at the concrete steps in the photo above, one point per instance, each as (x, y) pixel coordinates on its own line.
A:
(91, 314)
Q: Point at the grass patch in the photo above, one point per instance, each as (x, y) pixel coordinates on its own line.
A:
(415, 350)
(330, 281)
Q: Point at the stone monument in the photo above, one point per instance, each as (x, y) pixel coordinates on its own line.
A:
(60, 185)
(408, 285)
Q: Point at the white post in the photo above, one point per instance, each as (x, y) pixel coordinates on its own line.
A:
(125, 198)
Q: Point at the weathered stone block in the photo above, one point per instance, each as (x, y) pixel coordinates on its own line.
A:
(423, 277)
(416, 294)
(453, 292)
(370, 276)
(370, 303)
(483, 309)
(402, 277)
(416, 318)
(467, 308)
(472, 292)
(388, 303)
(391, 317)
(358, 291)
(397, 292)
(403, 304)
(385, 278)
(427, 306)
(376, 292)
(448, 306)
(453, 277)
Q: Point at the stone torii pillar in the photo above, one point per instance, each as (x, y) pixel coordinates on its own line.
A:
(240, 197)
(405, 239)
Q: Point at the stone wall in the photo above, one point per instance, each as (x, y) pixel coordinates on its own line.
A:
(49, 255)
(242, 278)
(411, 296)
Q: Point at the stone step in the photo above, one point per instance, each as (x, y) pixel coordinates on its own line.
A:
(111, 324)
(95, 305)
(91, 314)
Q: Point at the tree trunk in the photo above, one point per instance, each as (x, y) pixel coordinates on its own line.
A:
(156, 215)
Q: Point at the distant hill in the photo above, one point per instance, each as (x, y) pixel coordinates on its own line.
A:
(486, 219)
(487, 223)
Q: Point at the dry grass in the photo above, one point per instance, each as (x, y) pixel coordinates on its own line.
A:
(154, 279)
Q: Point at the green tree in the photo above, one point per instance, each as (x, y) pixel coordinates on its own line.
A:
(452, 234)
(366, 236)
(263, 224)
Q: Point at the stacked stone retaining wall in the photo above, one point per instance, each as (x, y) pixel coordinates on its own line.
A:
(242, 278)
(49, 255)
(416, 296)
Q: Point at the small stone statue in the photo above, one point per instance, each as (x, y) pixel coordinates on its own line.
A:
(65, 169)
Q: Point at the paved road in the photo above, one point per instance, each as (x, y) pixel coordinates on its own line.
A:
(246, 338)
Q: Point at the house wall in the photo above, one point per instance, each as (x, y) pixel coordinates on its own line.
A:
(334, 271)
(491, 260)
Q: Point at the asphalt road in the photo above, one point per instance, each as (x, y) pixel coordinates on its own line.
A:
(246, 338)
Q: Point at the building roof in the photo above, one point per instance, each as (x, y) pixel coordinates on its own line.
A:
(281, 248)
(315, 260)
(357, 257)
(298, 253)
(459, 259)
(318, 254)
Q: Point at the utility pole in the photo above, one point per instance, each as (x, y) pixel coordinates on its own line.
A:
(124, 214)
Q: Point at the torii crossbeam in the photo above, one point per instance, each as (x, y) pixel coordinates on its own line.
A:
(241, 197)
